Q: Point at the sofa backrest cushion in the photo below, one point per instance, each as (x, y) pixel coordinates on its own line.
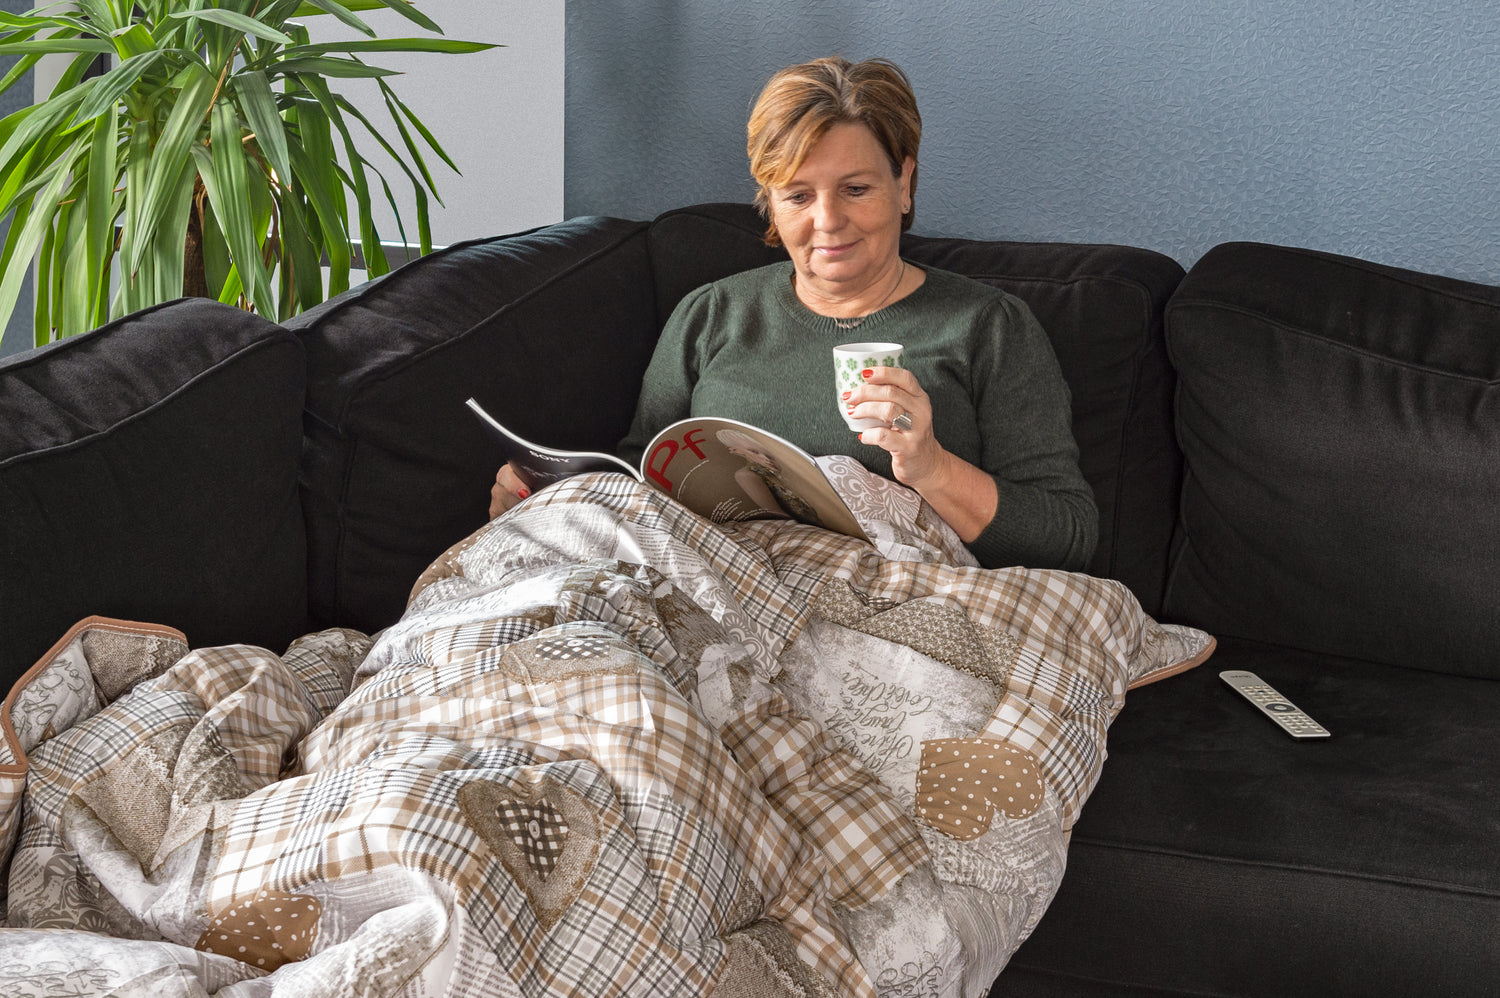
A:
(550, 330)
(148, 471)
(1102, 308)
(1341, 425)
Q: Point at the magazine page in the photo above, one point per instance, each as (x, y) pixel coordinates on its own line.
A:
(728, 470)
(538, 466)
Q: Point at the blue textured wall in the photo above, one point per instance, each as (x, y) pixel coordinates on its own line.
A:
(1370, 129)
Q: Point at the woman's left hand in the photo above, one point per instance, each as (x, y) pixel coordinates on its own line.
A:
(888, 392)
(959, 492)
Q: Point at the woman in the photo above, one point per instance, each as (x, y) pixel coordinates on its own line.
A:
(760, 478)
(978, 421)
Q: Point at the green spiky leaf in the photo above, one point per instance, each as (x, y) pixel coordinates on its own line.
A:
(101, 181)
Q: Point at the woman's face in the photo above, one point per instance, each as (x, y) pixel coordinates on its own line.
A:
(840, 216)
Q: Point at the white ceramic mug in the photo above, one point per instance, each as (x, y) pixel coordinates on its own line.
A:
(849, 359)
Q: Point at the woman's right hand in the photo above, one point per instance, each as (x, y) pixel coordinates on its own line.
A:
(506, 492)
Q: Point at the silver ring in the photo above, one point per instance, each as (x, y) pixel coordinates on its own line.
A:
(902, 422)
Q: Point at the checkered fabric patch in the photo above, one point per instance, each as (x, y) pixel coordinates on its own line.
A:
(537, 830)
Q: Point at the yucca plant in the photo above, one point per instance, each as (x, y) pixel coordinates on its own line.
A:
(213, 159)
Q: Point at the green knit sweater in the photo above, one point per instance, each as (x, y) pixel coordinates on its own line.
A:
(747, 348)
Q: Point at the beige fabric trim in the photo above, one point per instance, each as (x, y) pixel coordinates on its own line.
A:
(1177, 668)
(93, 623)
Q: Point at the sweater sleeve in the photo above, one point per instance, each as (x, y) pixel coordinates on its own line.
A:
(667, 388)
(1045, 517)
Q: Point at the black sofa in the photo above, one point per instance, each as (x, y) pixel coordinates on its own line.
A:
(1292, 450)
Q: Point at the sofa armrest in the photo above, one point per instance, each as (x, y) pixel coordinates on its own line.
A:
(148, 471)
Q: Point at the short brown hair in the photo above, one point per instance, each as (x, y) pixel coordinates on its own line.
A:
(800, 103)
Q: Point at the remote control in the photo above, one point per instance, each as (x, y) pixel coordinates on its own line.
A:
(1272, 704)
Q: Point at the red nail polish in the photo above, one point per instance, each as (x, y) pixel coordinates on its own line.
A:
(866, 373)
(524, 493)
(847, 394)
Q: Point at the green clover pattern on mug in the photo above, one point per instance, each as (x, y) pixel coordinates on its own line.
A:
(853, 365)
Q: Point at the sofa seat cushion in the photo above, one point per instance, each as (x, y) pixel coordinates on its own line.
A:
(1220, 856)
(1340, 423)
(1102, 309)
(550, 330)
(148, 471)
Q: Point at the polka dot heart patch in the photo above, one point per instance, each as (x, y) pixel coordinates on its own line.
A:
(266, 931)
(962, 782)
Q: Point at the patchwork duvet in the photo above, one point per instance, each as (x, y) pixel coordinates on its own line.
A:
(609, 749)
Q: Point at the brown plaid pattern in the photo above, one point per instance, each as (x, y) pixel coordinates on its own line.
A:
(1077, 636)
(540, 700)
(383, 774)
(868, 841)
(773, 610)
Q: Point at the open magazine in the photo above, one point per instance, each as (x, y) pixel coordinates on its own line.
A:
(719, 468)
